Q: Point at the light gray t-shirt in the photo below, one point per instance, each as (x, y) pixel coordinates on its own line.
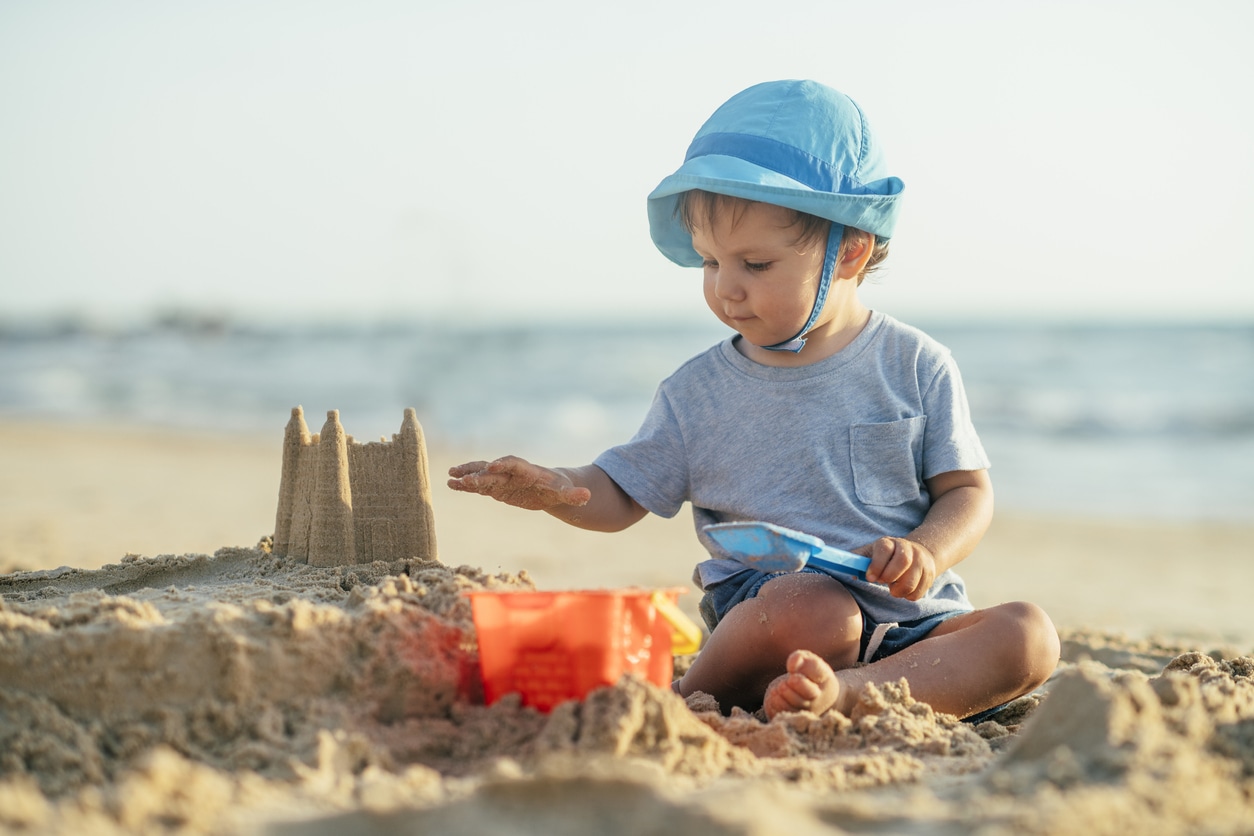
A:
(838, 449)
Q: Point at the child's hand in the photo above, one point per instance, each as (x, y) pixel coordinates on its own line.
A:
(906, 567)
(517, 482)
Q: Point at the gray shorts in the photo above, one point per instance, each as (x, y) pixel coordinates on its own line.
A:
(878, 640)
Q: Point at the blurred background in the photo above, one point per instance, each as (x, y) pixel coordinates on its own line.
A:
(210, 213)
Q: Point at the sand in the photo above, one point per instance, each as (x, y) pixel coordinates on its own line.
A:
(162, 671)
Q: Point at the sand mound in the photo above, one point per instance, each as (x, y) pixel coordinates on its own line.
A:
(236, 660)
(245, 692)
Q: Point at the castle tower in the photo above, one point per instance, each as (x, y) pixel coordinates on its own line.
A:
(341, 502)
(295, 438)
(416, 485)
(331, 537)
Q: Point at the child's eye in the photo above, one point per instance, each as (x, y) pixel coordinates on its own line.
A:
(709, 262)
(757, 266)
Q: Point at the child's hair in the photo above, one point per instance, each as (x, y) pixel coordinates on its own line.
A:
(699, 208)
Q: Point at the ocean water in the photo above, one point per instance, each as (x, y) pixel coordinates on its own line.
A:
(1137, 421)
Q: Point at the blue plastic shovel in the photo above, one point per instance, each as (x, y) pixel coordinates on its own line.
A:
(772, 548)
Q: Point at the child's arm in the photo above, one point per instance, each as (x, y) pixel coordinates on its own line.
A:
(584, 496)
(962, 508)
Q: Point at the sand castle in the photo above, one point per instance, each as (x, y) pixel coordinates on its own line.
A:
(341, 502)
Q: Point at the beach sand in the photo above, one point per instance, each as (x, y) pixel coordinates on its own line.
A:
(160, 673)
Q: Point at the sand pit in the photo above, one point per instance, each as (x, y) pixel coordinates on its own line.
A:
(249, 693)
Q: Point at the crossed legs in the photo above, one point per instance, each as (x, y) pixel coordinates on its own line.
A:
(794, 646)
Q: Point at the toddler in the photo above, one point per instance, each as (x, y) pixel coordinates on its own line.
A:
(818, 414)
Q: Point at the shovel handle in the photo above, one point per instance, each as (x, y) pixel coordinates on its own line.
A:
(685, 635)
(839, 560)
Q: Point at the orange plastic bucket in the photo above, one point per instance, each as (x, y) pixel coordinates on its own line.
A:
(556, 646)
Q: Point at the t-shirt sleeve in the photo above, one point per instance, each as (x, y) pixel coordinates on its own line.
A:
(652, 467)
(950, 441)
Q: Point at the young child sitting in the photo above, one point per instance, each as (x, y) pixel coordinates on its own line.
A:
(819, 415)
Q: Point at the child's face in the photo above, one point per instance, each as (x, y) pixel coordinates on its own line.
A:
(759, 279)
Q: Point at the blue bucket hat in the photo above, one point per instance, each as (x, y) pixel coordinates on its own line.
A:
(797, 144)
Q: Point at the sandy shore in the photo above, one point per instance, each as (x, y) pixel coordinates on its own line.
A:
(245, 693)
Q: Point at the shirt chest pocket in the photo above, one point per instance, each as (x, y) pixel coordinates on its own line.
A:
(887, 460)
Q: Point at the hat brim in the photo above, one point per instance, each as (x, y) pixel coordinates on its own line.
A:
(873, 210)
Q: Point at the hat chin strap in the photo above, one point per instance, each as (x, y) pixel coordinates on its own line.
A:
(798, 342)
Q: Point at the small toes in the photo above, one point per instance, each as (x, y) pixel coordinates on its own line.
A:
(800, 687)
(810, 665)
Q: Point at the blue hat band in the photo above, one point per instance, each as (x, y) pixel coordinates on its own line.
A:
(780, 157)
(835, 235)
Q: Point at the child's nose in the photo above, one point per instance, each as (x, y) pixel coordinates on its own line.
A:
(727, 285)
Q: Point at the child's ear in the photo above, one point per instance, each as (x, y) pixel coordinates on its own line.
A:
(856, 251)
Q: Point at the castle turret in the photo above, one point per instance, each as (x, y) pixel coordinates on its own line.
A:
(332, 534)
(295, 440)
(416, 485)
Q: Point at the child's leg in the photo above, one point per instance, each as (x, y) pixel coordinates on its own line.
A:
(749, 647)
(969, 663)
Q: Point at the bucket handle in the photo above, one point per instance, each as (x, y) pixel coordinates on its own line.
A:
(685, 635)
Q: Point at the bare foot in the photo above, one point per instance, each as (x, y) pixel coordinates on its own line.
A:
(809, 685)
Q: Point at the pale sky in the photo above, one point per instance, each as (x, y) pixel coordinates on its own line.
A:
(491, 159)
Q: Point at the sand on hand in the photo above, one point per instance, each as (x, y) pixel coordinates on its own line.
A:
(244, 691)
